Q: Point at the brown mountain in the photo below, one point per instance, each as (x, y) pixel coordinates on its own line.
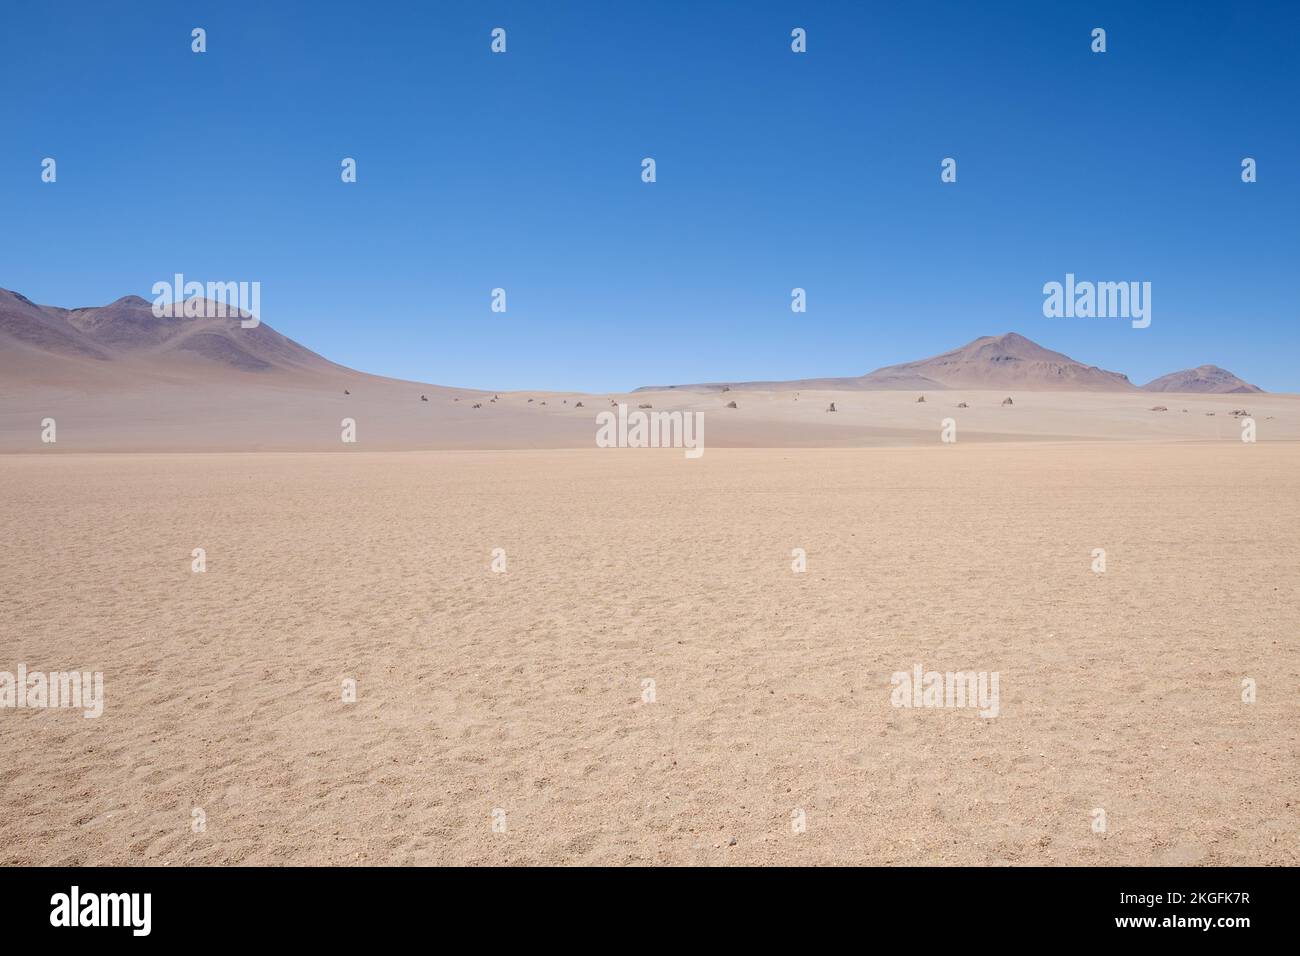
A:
(1205, 379)
(118, 378)
(45, 343)
(993, 361)
(125, 343)
(1001, 361)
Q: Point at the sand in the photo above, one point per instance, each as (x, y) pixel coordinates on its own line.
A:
(286, 413)
(523, 691)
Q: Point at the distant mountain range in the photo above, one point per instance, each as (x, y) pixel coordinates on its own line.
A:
(125, 340)
(39, 340)
(1002, 361)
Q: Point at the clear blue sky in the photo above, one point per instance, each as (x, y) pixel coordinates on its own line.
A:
(775, 170)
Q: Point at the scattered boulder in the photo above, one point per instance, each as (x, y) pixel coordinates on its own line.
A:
(831, 407)
(346, 392)
(731, 404)
(478, 404)
(1239, 413)
(962, 405)
(1158, 408)
(530, 400)
(424, 398)
(1007, 401)
(921, 399)
(726, 388)
(645, 405)
(579, 405)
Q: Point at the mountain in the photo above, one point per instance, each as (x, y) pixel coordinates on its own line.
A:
(993, 361)
(118, 378)
(1206, 379)
(125, 343)
(45, 343)
(1001, 361)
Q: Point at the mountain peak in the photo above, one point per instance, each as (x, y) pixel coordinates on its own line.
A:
(1009, 360)
(1205, 379)
(17, 295)
(1011, 344)
(127, 329)
(1008, 338)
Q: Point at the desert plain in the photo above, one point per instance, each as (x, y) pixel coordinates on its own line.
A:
(518, 697)
(471, 636)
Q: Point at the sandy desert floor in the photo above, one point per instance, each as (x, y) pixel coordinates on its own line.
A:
(306, 415)
(523, 691)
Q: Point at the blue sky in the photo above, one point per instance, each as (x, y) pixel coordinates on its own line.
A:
(775, 170)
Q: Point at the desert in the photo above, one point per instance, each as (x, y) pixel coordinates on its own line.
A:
(519, 695)
(119, 378)
(473, 636)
